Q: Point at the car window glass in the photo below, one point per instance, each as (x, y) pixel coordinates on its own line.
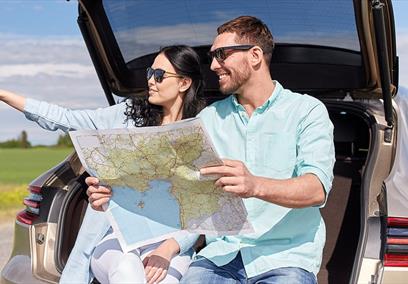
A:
(141, 27)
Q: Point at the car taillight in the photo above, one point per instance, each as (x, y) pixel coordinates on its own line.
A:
(32, 203)
(396, 250)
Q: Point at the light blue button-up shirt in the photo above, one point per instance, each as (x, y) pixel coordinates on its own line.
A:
(288, 136)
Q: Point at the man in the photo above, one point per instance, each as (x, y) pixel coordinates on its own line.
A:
(279, 146)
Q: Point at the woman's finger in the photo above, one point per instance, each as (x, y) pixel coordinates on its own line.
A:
(151, 273)
(157, 274)
(97, 204)
(161, 276)
(98, 190)
(91, 181)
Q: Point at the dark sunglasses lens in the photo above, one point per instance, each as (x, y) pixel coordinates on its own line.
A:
(219, 54)
(149, 73)
(158, 75)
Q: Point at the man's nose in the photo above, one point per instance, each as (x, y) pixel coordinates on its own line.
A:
(215, 64)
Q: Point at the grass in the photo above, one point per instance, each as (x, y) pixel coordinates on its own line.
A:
(17, 168)
(11, 197)
(20, 166)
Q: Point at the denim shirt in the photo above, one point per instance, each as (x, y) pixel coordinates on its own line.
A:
(288, 136)
(95, 224)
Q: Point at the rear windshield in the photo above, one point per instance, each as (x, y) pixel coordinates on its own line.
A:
(142, 27)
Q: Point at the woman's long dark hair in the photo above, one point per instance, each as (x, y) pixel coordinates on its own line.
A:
(186, 62)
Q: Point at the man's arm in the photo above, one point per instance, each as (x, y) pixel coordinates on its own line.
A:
(298, 192)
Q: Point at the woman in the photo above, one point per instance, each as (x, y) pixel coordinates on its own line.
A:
(175, 86)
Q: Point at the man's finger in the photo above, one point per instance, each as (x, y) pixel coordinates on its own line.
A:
(231, 163)
(219, 170)
(232, 189)
(226, 181)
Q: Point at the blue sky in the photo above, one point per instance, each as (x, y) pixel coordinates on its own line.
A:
(42, 56)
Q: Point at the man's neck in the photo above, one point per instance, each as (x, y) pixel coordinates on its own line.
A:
(255, 93)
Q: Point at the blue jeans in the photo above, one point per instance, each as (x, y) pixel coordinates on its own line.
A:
(204, 271)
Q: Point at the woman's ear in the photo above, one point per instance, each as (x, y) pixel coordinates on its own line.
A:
(185, 84)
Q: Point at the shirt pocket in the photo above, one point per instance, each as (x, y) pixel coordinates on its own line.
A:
(278, 153)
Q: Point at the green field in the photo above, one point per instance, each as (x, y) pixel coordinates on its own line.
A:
(20, 166)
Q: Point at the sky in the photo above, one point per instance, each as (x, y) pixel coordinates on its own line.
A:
(43, 56)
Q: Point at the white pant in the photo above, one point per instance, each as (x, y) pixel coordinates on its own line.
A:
(110, 264)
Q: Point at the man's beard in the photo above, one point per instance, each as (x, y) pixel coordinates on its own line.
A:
(236, 79)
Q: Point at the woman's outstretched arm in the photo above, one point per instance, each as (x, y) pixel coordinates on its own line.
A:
(12, 99)
(53, 117)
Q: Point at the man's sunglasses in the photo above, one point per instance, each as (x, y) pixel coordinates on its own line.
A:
(221, 53)
(158, 74)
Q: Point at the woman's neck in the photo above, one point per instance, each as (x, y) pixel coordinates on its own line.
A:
(172, 114)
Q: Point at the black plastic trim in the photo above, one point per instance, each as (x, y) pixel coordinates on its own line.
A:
(72, 192)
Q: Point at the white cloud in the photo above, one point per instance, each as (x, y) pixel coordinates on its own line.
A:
(23, 50)
(57, 70)
(66, 70)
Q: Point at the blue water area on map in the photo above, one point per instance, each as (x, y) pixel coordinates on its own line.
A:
(144, 215)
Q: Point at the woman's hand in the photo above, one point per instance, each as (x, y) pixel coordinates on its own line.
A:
(98, 195)
(14, 100)
(158, 261)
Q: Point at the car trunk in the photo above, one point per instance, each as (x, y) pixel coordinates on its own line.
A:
(342, 211)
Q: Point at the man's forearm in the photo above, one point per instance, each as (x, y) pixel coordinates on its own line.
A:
(299, 192)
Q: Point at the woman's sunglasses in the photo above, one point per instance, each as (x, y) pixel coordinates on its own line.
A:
(158, 74)
(221, 53)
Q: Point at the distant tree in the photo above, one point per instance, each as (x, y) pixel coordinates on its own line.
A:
(64, 140)
(24, 143)
(13, 143)
(20, 142)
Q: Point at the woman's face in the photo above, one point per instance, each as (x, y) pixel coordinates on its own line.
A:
(170, 89)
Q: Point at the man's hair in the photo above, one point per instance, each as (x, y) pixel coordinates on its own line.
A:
(250, 30)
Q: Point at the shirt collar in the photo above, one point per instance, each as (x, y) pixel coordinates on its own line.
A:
(269, 102)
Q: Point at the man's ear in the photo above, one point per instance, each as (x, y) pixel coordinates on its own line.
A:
(185, 83)
(256, 55)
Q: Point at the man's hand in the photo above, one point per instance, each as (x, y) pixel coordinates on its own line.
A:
(98, 195)
(158, 261)
(235, 178)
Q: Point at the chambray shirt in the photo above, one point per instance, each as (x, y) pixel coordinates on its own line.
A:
(95, 224)
(288, 136)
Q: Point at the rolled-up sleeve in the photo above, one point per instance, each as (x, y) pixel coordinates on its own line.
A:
(315, 146)
(186, 241)
(53, 117)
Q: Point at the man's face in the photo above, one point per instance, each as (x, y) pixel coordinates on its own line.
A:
(234, 71)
